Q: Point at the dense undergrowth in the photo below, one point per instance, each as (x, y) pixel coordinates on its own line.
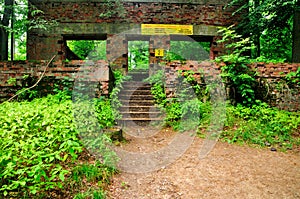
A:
(45, 155)
(257, 124)
(263, 126)
(42, 155)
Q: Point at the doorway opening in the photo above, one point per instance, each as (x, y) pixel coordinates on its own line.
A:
(86, 49)
(85, 46)
(138, 55)
(189, 50)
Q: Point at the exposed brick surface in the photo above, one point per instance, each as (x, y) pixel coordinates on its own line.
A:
(92, 17)
(95, 72)
(117, 51)
(271, 70)
(273, 88)
(142, 12)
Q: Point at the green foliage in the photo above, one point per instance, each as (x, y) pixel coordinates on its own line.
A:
(200, 89)
(183, 112)
(61, 88)
(114, 95)
(105, 113)
(236, 73)
(187, 115)
(262, 126)
(92, 173)
(12, 81)
(113, 9)
(90, 121)
(188, 50)
(92, 194)
(40, 144)
(96, 172)
(158, 87)
(138, 55)
(269, 27)
(37, 139)
(22, 24)
(293, 78)
(276, 44)
(173, 114)
(88, 49)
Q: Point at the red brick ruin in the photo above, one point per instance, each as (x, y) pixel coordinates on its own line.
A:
(118, 22)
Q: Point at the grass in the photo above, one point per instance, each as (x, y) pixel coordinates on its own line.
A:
(262, 126)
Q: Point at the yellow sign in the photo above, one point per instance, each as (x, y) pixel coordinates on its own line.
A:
(159, 52)
(166, 29)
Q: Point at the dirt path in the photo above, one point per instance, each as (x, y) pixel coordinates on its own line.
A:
(229, 171)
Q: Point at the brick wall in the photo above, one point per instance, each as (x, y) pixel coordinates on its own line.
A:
(77, 71)
(201, 12)
(272, 87)
(79, 18)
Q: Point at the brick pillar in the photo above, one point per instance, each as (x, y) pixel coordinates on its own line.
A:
(157, 42)
(42, 47)
(216, 48)
(117, 52)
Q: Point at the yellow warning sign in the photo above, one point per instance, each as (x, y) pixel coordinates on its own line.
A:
(166, 29)
(159, 52)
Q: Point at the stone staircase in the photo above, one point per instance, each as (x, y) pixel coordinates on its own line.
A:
(138, 106)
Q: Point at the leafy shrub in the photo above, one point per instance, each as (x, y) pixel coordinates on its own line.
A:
(114, 95)
(236, 73)
(173, 114)
(293, 78)
(158, 88)
(199, 88)
(39, 144)
(36, 139)
(262, 125)
(183, 108)
(138, 55)
(104, 112)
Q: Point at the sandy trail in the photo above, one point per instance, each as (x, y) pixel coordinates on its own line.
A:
(229, 171)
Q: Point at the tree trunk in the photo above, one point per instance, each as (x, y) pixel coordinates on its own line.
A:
(3, 44)
(257, 32)
(296, 34)
(4, 21)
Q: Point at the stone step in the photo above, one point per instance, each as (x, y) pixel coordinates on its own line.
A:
(137, 108)
(135, 92)
(136, 88)
(137, 102)
(141, 119)
(136, 97)
(138, 72)
(135, 85)
(140, 114)
(139, 75)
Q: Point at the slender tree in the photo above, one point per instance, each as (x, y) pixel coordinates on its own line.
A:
(4, 23)
(269, 24)
(296, 34)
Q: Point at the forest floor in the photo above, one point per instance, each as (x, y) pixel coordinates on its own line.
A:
(228, 171)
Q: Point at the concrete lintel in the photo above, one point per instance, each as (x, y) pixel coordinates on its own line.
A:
(83, 29)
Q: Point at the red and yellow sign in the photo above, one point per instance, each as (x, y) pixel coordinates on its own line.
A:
(166, 29)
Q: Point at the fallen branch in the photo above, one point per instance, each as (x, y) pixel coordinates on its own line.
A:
(43, 74)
